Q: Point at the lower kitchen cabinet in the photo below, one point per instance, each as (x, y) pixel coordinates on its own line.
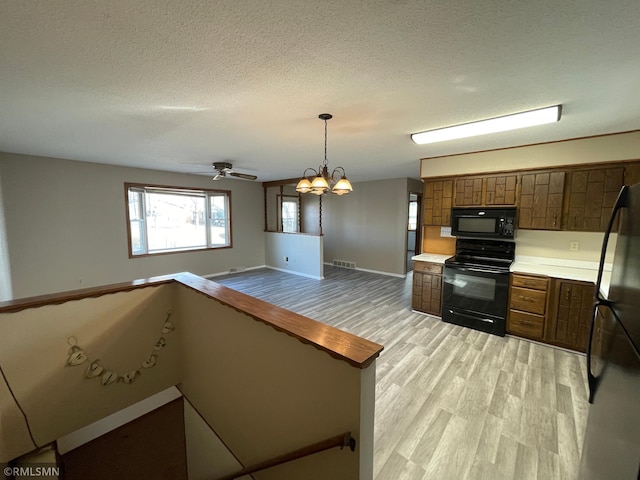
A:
(427, 288)
(550, 310)
(528, 299)
(571, 316)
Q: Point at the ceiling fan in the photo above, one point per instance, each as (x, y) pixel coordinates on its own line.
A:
(222, 169)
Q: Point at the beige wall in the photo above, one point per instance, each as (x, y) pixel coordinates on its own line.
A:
(550, 244)
(590, 150)
(5, 270)
(253, 385)
(66, 225)
(369, 226)
(119, 329)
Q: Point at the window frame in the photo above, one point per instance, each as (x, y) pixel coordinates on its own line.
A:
(207, 193)
(284, 198)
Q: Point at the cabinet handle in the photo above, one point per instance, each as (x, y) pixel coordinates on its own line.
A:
(555, 219)
(526, 322)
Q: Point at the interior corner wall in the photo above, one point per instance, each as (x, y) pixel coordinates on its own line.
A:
(5, 266)
(368, 226)
(66, 225)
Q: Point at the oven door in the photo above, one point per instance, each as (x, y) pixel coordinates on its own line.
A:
(476, 290)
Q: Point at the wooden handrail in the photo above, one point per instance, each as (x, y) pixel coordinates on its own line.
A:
(343, 440)
(356, 351)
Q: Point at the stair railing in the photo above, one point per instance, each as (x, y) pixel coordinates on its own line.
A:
(343, 440)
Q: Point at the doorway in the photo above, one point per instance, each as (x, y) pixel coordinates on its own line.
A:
(414, 233)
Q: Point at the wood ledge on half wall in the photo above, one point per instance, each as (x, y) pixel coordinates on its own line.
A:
(354, 350)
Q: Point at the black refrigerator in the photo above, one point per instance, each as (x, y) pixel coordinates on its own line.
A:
(611, 448)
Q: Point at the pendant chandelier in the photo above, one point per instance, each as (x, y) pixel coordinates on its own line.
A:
(319, 181)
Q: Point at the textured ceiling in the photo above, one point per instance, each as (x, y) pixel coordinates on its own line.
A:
(176, 85)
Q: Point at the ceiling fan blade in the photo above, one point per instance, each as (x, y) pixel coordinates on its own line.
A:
(244, 176)
(219, 176)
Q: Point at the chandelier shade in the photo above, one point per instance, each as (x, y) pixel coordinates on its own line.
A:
(320, 181)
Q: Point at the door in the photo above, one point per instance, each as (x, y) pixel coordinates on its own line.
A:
(414, 229)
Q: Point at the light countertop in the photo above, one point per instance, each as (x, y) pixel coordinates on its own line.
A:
(431, 257)
(566, 269)
(552, 267)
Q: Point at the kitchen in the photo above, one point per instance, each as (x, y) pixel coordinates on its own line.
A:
(493, 285)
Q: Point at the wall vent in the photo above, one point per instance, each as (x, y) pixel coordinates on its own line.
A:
(344, 264)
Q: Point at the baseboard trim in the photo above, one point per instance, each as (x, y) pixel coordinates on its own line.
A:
(315, 277)
(229, 272)
(388, 274)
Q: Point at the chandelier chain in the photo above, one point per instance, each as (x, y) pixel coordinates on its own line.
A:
(325, 143)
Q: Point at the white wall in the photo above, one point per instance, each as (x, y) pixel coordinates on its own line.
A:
(66, 225)
(368, 226)
(297, 253)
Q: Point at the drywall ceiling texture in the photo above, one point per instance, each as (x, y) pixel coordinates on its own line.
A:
(163, 84)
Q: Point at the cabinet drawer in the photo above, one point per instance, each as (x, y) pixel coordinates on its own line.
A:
(526, 324)
(536, 283)
(528, 300)
(427, 267)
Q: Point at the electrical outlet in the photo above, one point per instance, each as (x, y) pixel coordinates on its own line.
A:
(574, 246)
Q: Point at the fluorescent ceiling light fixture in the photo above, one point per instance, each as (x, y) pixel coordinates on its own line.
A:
(531, 118)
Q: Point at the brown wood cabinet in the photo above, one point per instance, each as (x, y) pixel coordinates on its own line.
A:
(437, 199)
(591, 195)
(570, 197)
(427, 288)
(571, 316)
(541, 196)
(528, 300)
(468, 192)
(486, 190)
(550, 310)
(500, 190)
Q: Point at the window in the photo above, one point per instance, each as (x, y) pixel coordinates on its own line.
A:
(173, 219)
(289, 216)
(413, 215)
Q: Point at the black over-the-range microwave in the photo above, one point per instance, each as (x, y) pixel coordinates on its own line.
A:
(483, 222)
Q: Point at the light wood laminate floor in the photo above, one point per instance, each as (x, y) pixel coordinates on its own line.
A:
(451, 403)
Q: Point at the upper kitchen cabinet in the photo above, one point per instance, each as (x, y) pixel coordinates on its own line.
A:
(437, 198)
(468, 192)
(591, 195)
(485, 191)
(541, 196)
(501, 190)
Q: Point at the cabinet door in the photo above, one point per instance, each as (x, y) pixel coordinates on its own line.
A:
(541, 197)
(592, 194)
(572, 318)
(468, 192)
(416, 296)
(436, 295)
(427, 293)
(437, 202)
(501, 190)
